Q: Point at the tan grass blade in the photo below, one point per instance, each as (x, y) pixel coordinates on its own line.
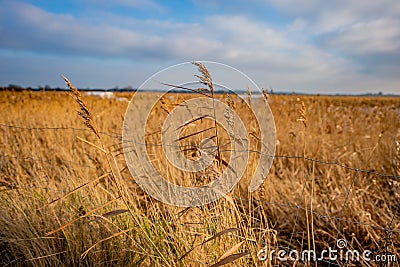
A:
(190, 135)
(80, 217)
(210, 239)
(109, 214)
(46, 256)
(105, 239)
(73, 191)
(230, 259)
(226, 164)
(193, 120)
(186, 88)
(91, 144)
(229, 230)
(231, 251)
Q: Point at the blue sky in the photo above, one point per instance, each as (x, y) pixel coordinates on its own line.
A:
(306, 46)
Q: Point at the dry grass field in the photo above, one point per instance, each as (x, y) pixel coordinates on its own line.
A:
(68, 199)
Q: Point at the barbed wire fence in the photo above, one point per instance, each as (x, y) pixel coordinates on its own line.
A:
(13, 152)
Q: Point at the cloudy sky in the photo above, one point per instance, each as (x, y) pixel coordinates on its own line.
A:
(309, 46)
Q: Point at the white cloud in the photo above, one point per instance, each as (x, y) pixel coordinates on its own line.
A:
(283, 58)
(359, 8)
(377, 36)
(45, 32)
(328, 16)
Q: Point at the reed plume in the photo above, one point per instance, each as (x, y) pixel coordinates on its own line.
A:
(84, 112)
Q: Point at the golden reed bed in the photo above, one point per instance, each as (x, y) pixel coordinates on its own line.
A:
(65, 202)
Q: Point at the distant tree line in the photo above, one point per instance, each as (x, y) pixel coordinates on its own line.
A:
(18, 88)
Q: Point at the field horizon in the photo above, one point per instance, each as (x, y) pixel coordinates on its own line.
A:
(130, 89)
